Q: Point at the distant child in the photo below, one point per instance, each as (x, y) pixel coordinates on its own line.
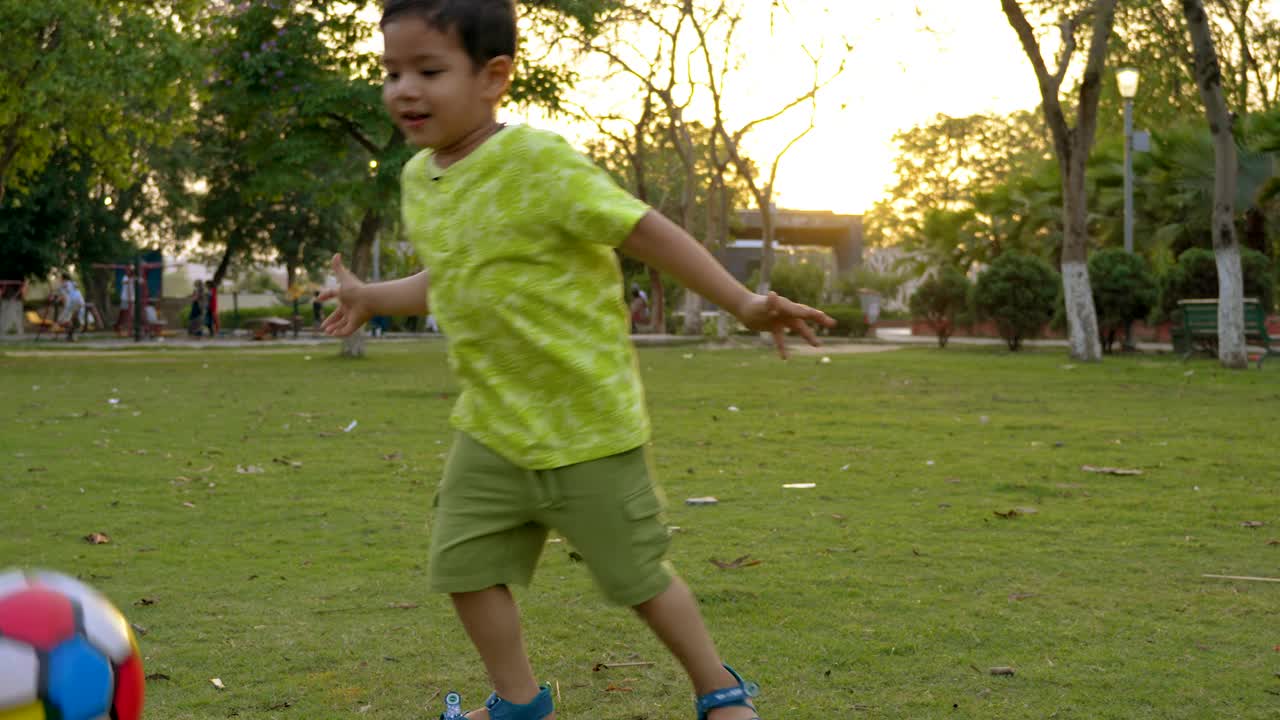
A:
(211, 308)
(196, 316)
(72, 315)
(518, 232)
(124, 321)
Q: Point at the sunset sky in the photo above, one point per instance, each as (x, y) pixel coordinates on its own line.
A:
(911, 60)
(953, 56)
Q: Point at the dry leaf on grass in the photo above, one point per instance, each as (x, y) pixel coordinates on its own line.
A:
(1110, 470)
(616, 688)
(217, 682)
(605, 666)
(742, 562)
(249, 469)
(1002, 671)
(97, 538)
(1252, 524)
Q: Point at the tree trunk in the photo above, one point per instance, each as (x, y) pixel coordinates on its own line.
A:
(361, 261)
(1072, 146)
(224, 264)
(766, 249)
(1082, 316)
(1231, 350)
(658, 310)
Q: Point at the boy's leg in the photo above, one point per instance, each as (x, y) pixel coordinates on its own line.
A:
(492, 621)
(674, 617)
(610, 511)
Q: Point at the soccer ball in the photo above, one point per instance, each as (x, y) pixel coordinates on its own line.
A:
(65, 652)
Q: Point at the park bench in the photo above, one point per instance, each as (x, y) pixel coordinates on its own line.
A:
(273, 326)
(39, 323)
(1199, 328)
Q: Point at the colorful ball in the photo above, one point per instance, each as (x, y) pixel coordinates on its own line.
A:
(65, 652)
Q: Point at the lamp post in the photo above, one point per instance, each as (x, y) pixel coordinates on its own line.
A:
(1127, 79)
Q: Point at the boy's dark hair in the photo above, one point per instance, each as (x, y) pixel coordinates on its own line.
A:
(486, 29)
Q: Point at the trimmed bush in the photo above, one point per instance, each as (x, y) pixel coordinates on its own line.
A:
(940, 300)
(849, 321)
(1124, 290)
(1018, 292)
(801, 282)
(1196, 276)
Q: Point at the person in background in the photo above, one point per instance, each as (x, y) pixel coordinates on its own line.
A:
(211, 309)
(72, 315)
(196, 316)
(124, 321)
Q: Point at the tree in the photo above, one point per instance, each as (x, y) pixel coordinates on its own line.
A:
(1017, 292)
(1072, 146)
(1123, 291)
(1231, 350)
(940, 299)
(943, 165)
(128, 62)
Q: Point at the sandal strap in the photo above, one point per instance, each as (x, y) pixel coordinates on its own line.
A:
(741, 694)
(536, 709)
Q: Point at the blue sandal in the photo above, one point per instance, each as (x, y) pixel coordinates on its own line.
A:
(726, 697)
(536, 709)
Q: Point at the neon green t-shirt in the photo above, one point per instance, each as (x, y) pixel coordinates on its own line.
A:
(518, 241)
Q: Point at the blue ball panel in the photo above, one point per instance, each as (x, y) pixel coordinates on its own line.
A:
(80, 681)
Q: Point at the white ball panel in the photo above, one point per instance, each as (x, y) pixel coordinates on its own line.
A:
(21, 675)
(11, 581)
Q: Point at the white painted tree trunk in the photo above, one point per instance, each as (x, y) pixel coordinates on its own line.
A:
(1231, 344)
(11, 317)
(1231, 349)
(692, 307)
(1082, 317)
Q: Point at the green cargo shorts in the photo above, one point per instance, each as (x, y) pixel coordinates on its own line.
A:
(491, 521)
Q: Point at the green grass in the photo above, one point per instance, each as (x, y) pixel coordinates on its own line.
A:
(887, 591)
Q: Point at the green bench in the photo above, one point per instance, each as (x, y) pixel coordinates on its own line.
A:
(1199, 328)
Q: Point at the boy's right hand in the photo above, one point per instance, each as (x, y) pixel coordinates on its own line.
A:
(353, 307)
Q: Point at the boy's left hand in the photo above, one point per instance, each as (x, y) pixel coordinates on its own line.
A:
(775, 314)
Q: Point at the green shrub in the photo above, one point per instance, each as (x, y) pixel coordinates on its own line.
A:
(849, 320)
(865, 278)
(1196, 276)
(801, 282)
(1017, 291)
(227, 316)
(940, 300)
(1124, 290)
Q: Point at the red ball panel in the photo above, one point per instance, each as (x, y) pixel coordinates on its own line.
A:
(130, 685)
(39, 617)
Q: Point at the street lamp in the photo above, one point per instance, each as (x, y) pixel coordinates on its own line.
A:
(1127, 79)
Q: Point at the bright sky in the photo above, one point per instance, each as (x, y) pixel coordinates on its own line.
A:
(911, 60)
(957, 57)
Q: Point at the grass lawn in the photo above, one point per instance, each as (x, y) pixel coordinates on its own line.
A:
(259, 543)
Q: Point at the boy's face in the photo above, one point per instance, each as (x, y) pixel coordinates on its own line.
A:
(433, 90)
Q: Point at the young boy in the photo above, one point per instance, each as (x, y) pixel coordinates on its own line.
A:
(517, 232)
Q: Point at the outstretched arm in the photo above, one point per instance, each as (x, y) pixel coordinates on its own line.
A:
(660, 243)
(358, 301)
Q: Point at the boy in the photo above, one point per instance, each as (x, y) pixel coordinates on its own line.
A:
(517, 231)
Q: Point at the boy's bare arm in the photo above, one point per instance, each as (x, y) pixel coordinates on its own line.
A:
(660, 243)
(358, 301)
